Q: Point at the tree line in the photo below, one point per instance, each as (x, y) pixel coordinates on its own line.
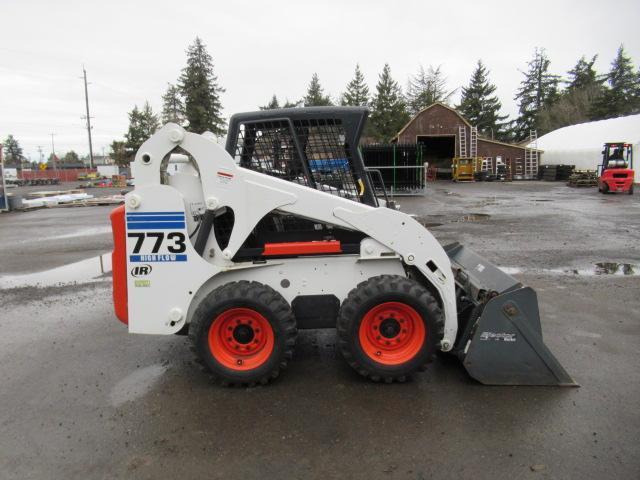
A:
(546, 101)
(14, 156)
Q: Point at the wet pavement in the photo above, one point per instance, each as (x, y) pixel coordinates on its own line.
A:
(81, 398)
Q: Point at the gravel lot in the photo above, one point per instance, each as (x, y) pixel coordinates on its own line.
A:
(81, 398)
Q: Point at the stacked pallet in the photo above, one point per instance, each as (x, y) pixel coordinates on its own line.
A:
(553, 173)
(583, 178)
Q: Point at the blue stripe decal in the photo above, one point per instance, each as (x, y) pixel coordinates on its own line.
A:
(155, 225)
(157, 218)
(156, 257)
(154, 213)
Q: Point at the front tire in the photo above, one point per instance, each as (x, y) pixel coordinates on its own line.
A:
(389, 327)
(244, 333)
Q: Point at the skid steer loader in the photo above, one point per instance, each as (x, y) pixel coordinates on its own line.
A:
(241, 247)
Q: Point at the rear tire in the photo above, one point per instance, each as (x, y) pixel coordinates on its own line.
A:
(631, 190)
(244, 333)
(389, 327)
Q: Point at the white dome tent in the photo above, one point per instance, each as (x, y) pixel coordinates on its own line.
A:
(581, 145)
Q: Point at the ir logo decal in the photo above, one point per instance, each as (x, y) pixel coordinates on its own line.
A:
(141, 270)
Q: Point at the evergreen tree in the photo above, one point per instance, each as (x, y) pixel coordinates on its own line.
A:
(172, 106)
(315, 96)
(583, 75)
(13, 156)
(480, 106)
(201, 92)
(576, 102)
(426, 88)
(357, 93)
(538, 90)
(622, 95)
(273, 103)
(389, 111)
(288, 104)
(142, 124)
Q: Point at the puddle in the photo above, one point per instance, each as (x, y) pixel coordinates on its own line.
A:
(136, 384)
(598, 269)
(429, 221)
(473, 218)
(612, 268)
(84, 271)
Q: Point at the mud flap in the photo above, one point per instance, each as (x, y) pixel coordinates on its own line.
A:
(503, 345)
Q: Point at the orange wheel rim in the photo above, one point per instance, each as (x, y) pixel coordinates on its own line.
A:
(241, 339)
(392, 333)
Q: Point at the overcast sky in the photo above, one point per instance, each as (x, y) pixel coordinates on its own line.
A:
(132, 49)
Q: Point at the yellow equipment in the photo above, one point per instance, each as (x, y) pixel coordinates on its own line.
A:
(462, 169)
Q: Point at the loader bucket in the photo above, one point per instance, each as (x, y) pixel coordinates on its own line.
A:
(503, 344)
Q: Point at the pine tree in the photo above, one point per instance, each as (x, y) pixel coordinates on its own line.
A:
(480, 106)
(426, 88)
(622, 95)
(575, 103)
(13, 156)
(142, 124)
(201, 92)
(315, 96)
(538, 90)
(583, 75)
(389, 111)
(172, 106)
(273, 103)
(288, 104)
(357, 92)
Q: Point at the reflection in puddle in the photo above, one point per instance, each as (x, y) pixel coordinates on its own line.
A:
(612, 268)
(473, 217)
(598, 269)
(84, 271)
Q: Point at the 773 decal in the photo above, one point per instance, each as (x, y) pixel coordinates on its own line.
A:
(172, 242)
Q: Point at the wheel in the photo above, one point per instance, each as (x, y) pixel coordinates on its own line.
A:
(605, 188)
(631, 190)
(389, 327)
(244, 333)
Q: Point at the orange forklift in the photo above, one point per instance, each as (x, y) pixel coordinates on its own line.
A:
(616, 172)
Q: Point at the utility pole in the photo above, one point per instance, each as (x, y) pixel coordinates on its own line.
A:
(86, 101)
(53, 152)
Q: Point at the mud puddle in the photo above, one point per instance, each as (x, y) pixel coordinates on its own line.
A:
(84, 271)
(472, 218)
(597, 269)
